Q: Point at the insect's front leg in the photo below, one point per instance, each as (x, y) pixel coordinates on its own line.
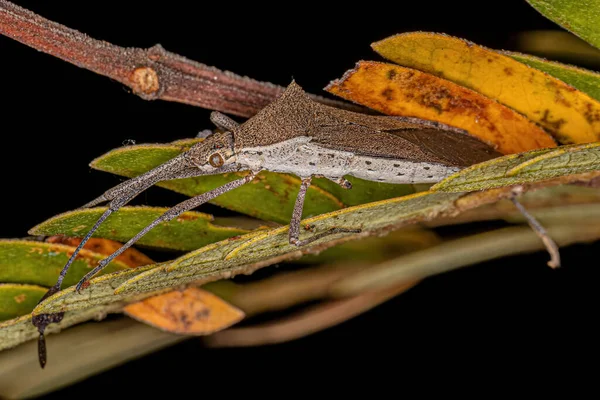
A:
(167, 216)
(223, 122)
(294, 233)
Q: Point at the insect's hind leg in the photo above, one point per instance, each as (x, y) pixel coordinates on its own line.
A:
(167, 216)
(294, 232)
(539, 230)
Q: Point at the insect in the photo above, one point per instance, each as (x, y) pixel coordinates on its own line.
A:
(297, 135)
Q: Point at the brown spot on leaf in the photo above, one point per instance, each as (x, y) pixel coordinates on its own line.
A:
(145, 80)
(130, 257)
(591, 114)
(554, 125)
(388, 94)
(560, 99)
(20, 298)
(187, 217)
(38, 250)
(508, 71)
(422, 95)
(192, 311)
(391, 74)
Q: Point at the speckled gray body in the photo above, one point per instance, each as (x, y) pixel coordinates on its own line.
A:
(302, 157)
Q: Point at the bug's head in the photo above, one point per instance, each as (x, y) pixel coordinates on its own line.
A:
(215, 154)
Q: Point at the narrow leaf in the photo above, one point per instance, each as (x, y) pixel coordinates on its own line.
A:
(18, 330)
(191, 230)
(192, 311)
(582, 79)
(395, 90)
(517, 169)
(270, 196)
(38, 263)
(578, 16)
(245, 253)
(17, 299)
(569, 115)
(249, 252)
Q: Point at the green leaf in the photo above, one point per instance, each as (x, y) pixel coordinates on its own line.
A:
(533, 166)
(585, 80)
(39, 263)
(17, 300)
(189, 231)
(580, 17)
(270, 196)
(246, 253)
(17, 330)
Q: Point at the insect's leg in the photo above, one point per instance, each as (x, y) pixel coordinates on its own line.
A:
(118, 197)
(539, 230)
(171, 169)
(294, 232)
(167, 216)
(222, 121)
(343, 182)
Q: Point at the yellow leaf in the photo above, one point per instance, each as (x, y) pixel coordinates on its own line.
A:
(396, 90)
(569, 115)
(192, 311)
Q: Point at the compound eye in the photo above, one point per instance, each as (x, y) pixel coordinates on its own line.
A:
(215, 160)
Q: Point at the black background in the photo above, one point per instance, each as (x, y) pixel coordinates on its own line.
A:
(511, 318)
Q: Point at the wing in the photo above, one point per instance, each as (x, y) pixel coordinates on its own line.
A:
(294, 114)
(396, 137)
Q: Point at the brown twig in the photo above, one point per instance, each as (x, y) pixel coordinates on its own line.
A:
(304, 323)
(284, 290)
(152, 73)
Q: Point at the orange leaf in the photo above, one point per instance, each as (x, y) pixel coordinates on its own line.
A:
(570, 115)
(396, 90)
(130, 257)
(192, 311)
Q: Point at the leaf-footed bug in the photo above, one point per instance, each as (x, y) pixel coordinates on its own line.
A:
(297, 135)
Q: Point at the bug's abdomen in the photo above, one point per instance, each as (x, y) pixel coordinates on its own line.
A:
(304, 158)
(398, 171)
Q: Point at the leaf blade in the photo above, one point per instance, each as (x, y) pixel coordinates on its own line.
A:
(569, 115)
(189, 231)
(396, 90)
(585, 80)
(577, 16)
(524, 168)
(38, 263)
(193, 311)
(18, 299)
